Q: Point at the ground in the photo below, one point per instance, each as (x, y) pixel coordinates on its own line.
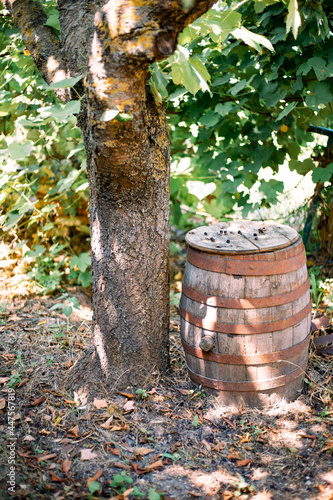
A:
(165, 440)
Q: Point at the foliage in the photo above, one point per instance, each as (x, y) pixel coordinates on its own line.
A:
(257, 110)
(241, 89)
(44, 197)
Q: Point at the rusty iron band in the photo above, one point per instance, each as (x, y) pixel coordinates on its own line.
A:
(247, 303)
(238, 329)
(253, 359)
(251, 386)
(238, 267)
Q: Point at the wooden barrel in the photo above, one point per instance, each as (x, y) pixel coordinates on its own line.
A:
(245, 311)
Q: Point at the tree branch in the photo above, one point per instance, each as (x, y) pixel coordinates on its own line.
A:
(41, 41)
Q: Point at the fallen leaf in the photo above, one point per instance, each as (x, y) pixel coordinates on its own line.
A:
(3, 380)
(69, 364)
(121, 466)
(69, 402)
(37, 401)
(96, 476)
(66, 465)
(13, 317)
(2, 403)
(242, 463)
(56, 478)
(115, 451)
(41, 458)
(127, 395)
(87, 454)
(246, 438)
(218, 447)
(321, 488)
(24, 381)
(74, 431)
(115, 411)
(206, 445)
(129, 406)
(156, 465)
(143, 451)
(127, 492)
(185, 392)
(234, 456)
(28, 438)
(45, 432)
(100, 403)
(115, 428)
(107, 423)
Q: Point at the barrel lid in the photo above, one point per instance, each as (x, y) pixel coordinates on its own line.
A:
(241, 237)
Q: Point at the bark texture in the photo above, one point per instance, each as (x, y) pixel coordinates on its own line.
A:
(128, 168)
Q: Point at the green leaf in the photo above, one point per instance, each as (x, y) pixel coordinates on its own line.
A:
(321, 95)
(302, 167)
(67, 310)
(252, 39)
(210, 119)
(67, 82)
(53, 21)
(59, 112)
(153, 495)
(82, 261)
(39, 250)
(293, 18)
(322, 174)
(286, 110)
(319, 65)
(224, 109)
(18, 151)
(93, 486)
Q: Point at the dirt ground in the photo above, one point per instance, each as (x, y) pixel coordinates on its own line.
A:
(165, 440)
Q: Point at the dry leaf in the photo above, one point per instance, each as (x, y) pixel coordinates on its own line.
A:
(45, 432)
(24, 381)
(156, 465)
(115, 428)
(241, 463)
(218, 447)
(143, 451)
(206, 444)
(100, 403)
(41, 458)
(2, 403)
(234, 456)
(107, 423)
(13, 317)
(28, 438)
(74, 431)
(246, 438)
(127, 492)
(96, 476)
(37, 401)
(129, 406)
(115, 411)
(3, 380)
(66, 465)
(127, 395)
(54, 477)
(87, 454)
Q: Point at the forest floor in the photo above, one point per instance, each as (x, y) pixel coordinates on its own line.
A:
(165, 440)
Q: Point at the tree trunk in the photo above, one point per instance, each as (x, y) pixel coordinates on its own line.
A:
(128, 170)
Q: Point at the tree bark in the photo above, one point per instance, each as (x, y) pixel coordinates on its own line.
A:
(128, 169)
